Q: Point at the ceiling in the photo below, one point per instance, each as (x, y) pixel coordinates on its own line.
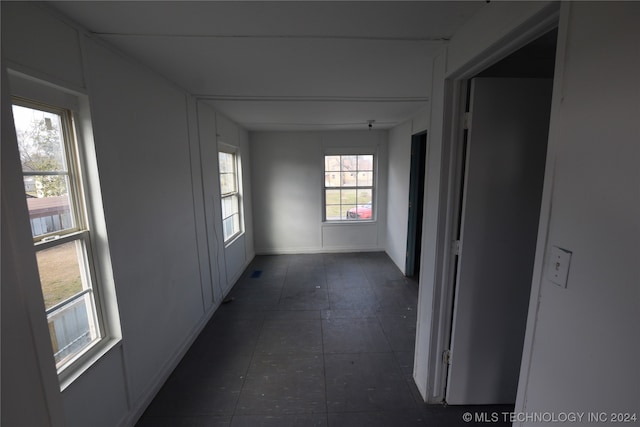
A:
(291, 65)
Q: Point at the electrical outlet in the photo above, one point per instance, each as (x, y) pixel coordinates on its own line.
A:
(558, 267)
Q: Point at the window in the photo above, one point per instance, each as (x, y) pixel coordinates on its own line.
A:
(348, 187)
(59, 226)
(230, 195)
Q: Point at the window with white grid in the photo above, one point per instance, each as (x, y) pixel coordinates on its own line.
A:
(53, 187)
(348, 187)
(230, 195)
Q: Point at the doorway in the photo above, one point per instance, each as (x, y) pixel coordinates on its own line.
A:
(416, 203)
(503, 154)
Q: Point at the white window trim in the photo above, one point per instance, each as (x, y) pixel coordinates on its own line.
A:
(350, 151)
(230, 149)
(90, 202)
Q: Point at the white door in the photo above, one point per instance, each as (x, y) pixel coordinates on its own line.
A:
(502, 190)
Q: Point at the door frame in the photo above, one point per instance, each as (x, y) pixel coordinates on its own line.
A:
(417, 175)
(456, 84)
(463, 386)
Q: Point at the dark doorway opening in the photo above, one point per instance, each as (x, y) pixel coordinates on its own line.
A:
(416, 200)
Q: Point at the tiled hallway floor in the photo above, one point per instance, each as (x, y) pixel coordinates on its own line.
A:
(309, 340)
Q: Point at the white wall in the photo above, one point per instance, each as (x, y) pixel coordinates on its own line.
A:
(240, 252)
(398, 186)
(494, 25)
(150, 168)
(487, 32)
(226, 262)
(432, 235)
(247, 193)
(582, 348)
(398, 200)
(148, 206)
(29, 390)
(287, 192)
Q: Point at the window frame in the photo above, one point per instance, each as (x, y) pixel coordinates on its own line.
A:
(73, 170)
(89, 228)
(372, 188)
(237, 193)
(79, 233)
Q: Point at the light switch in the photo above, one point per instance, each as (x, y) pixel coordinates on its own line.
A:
(558, 268)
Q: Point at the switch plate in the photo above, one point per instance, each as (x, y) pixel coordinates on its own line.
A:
(558, 268)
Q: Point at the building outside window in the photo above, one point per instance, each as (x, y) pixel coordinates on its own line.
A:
(348, 187)
(61, 235)
(230, 195)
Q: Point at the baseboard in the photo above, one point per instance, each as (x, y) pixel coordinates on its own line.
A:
(295, 251)
(132, 417)
(237, 276)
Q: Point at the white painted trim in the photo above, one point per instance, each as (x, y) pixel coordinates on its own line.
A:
(545, 208)
(349, 151)
(89, 190)
(227, 148)
(40, 76)
(316, 250)
(108, 295)
(18, 238)
(538, 24)
(433, 386)
(345, 223)
(143, 402)
(377, 99)
(451, 183)
(30, 87)
(237, 277)
(136, 412)
(206, 281)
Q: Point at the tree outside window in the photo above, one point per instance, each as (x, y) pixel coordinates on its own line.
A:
(57, 214)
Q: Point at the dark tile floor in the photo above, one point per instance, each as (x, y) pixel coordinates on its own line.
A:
(309, 340)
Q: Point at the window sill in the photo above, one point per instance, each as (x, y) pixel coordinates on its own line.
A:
(352, 222)
(233, 239)
(85, 363)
